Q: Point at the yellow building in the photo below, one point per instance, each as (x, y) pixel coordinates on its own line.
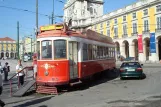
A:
(136, 30)
(7, 48)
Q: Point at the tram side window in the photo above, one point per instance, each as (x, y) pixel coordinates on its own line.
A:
(113, 52)
(46, 49)
(98, 52)
(110, 52)
(107, 52)
(94, 52)
(38, 49)
(89, 52)
(60, 49)
(85, 52)
(101, 52)
(104, 52)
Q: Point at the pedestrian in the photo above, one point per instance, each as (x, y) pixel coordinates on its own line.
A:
(1, 68)
(6, 69)
(20, 73)
(2, 104)
(34, 63)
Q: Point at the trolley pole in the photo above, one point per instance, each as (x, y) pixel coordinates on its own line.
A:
(18, 56)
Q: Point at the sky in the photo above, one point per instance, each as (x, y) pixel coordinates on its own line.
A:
(27, 20)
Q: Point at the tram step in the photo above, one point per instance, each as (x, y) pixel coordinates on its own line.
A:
(75, 83)
(47, 90)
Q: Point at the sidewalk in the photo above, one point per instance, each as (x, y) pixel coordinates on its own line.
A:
(147, 63)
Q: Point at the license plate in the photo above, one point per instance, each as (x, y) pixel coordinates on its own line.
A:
(131, 70)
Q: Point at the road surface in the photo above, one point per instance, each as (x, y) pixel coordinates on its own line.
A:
(107, 92)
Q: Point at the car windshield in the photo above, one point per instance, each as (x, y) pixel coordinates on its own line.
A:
(131, 64)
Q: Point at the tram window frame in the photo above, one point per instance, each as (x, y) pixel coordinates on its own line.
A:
(65, 57)
(38, 46)
(85, 52)
(89, 52)
(43, 58)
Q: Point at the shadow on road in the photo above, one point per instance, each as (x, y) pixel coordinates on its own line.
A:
(96, 80)
(33, 102)
(134, 78)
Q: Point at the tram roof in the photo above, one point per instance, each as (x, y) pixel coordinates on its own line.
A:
(87, 34)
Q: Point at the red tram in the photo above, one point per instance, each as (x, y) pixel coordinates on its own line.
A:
(66, 56)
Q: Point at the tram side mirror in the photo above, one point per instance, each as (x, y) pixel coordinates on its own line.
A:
(141, 64)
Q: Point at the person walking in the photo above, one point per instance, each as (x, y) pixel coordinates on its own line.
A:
(6, 69)
(2, 104)
(34, 64)
(20, 73)
(1, 68)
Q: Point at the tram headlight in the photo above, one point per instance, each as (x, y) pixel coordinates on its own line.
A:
(46, 73)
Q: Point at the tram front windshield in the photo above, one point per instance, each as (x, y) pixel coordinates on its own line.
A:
(59, 51)
(46, 49)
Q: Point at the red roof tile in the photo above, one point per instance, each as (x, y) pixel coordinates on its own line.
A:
(6, 39)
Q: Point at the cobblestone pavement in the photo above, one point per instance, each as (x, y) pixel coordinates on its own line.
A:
(110, 91)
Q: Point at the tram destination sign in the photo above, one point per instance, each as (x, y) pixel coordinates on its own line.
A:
(51, 27)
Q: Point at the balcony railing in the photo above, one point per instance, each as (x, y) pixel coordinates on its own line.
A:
(146, 31)
(124, 35)
(158, 30)
(134, 34)
(115, 37)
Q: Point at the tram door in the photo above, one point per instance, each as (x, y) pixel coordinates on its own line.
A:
(73, 58)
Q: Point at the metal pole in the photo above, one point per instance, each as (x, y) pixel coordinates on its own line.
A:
(53, 14)
(36, 14)
(31, 45)
(36, 26)
(23, 47)
(18, 56)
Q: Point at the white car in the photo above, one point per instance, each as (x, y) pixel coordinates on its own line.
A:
(25, 58)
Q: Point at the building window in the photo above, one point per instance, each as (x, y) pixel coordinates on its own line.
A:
(146, 25)
(134, 15)
(124, 18)
(158, 8)
(145, 12)
(116, 31)
(124, 29)
(158, 22)
(115, 21)
(134, 28)
(108, 32)
(108, 23)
